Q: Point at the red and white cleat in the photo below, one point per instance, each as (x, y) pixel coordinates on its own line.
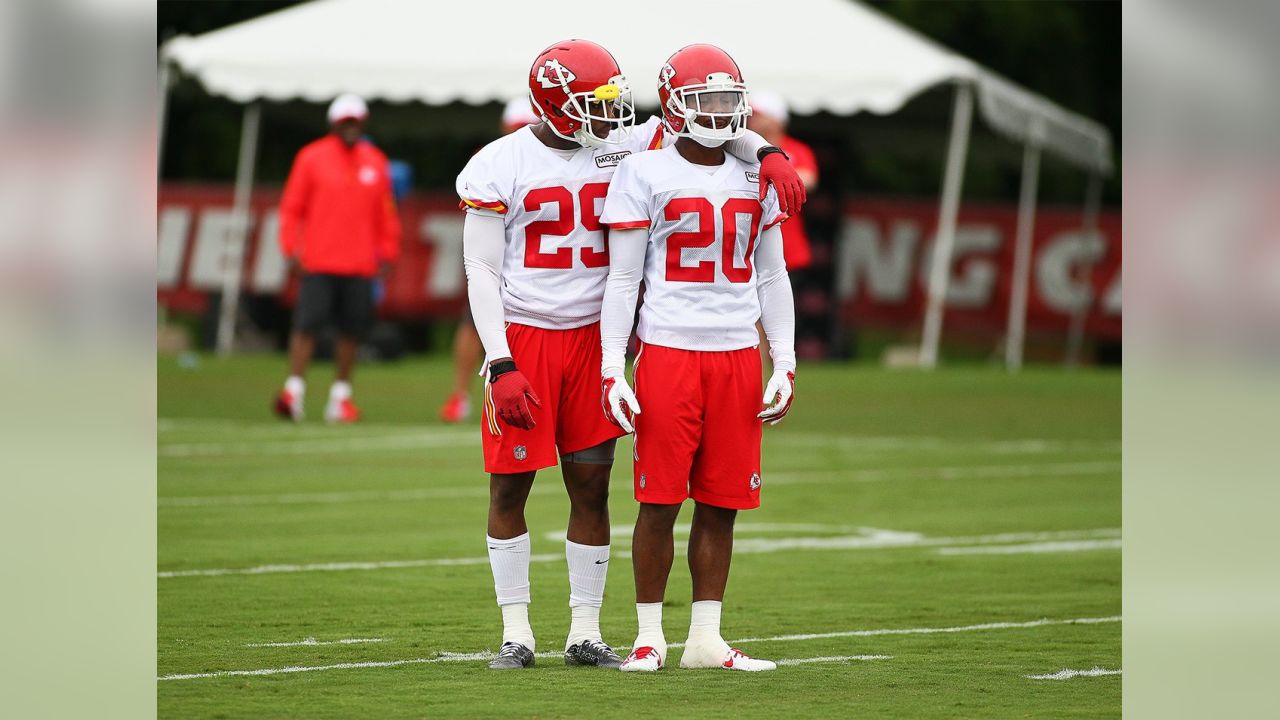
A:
(642, 659)
(456, 409)
(341, 411)
(722, 656)
(288, 406)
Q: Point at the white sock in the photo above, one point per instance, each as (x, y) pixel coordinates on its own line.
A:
(509, 560)
(650, 633)
(339, 391)
(295, 386)
(588, 567)
(704, 622)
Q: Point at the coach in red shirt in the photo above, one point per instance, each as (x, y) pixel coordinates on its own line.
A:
(769, 118)
(339, 227)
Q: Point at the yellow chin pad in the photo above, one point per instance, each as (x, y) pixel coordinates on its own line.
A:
(608, 92)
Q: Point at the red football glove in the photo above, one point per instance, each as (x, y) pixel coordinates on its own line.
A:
(505, 398)
(776, 170)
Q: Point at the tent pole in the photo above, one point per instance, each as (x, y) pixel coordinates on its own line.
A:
(233, 250)
(944, 242)
(1075, 334)
(1016, 332)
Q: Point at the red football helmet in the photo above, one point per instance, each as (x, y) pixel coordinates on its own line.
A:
(703, 96)
(574, 82)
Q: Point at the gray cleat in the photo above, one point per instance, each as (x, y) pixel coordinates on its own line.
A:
(594, 653)
(513, 656)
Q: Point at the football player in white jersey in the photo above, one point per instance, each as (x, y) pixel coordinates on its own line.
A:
(688, 219)
(536, 258)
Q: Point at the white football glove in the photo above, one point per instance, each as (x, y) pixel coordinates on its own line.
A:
(778, 395)
(620, 404)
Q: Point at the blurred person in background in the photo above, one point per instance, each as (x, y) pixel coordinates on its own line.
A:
(468, 352)
(340, 229)
(769, 117)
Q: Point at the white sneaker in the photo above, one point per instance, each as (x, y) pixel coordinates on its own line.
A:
(720, 655)
(642, 659)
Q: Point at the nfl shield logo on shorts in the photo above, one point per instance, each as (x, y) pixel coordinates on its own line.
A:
(643, 477)
(755, 481)
(521, 453)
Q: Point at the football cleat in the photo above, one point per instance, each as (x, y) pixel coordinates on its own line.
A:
(642, 659)
(288, 406)
(592, 652)
(709, 655)
(513, 656)
(341, 411)
(456, 409)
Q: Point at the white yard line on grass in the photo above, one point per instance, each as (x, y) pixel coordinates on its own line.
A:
(314, 446)
(1068, 674)
(832, 658)
(948, 472)
(475, 656)
(1041, 547)
(929, 631)
(875, 540)
(877, 443)
(308, 642)
(338, 566)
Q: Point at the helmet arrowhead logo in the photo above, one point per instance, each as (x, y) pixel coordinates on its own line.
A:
(563, 75)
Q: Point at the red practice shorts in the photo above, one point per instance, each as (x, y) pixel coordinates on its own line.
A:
(563, 366)
(697, 434)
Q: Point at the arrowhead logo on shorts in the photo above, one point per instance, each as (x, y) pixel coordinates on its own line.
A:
(755, 481)
(521, 453)
(562, 74)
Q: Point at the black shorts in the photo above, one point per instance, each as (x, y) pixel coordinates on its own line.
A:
(345, 301)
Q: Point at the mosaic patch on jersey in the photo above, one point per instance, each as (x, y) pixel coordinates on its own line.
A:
(611, 159)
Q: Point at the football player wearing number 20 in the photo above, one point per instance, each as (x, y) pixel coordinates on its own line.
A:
(688, 220)
(536, 258)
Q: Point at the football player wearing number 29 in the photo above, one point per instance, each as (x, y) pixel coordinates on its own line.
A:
(536, 258)
(687, 218)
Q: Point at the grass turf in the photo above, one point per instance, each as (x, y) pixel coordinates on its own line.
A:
(872, 478)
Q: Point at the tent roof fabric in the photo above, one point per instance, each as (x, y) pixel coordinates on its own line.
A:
(835, 55)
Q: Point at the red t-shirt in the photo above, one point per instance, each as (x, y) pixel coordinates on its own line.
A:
(795, 243)
(337, 214)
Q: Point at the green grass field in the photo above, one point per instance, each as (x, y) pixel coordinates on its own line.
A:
(900, 510)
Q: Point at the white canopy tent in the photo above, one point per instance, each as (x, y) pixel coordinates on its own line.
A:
(840, 57)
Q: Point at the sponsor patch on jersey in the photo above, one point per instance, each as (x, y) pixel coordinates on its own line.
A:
(755, 481)
(521, 453)
(611, 159)
(753, 176)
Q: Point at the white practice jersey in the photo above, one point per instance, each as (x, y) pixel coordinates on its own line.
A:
(556, 257)
(704, 226)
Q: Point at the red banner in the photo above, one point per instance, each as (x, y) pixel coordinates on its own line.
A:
(881, 258)
(884, 249)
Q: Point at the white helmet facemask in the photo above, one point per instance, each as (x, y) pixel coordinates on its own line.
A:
(714, 112)
(610, 103)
